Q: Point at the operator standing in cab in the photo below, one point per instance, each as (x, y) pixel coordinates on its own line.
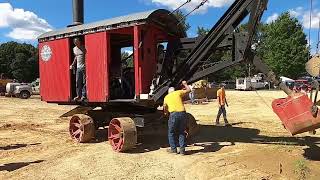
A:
(79, 52)
(222, 102)
(173, 104)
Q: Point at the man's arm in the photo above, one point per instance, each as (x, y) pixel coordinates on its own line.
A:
(73, 63)
(218, 98)
(225, 99)
(186, 86)
(165, 109)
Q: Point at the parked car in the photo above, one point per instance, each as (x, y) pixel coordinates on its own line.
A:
(302, 84)
(21, 90)
(36, 86)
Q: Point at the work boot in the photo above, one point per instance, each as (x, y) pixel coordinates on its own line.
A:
(172, 151)
(182, 151)
(76, 98)
(83, 98)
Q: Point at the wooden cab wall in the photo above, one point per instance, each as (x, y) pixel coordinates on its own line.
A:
(56, 57)
(54, 62)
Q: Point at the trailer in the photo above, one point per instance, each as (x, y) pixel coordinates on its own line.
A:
(251, 83)
(126, 100)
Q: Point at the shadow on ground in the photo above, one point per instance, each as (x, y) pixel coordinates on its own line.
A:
(17, 146)
(14, 166)
(211, 138)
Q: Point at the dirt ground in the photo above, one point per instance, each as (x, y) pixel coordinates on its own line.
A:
(34, 144)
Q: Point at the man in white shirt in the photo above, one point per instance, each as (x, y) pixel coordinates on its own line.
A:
(79, 52)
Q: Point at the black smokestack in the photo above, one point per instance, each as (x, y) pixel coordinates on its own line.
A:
(77, 12)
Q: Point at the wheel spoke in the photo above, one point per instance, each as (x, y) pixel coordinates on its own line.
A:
(118, 128)
(76, 132)
(114, 136)
(118, 145)
(78, 125)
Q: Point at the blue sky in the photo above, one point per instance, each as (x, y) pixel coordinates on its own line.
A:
(22, 20)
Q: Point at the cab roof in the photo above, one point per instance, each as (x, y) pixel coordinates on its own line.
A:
(161, 17)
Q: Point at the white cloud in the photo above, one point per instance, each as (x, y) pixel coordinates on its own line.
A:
(272, 18)
(296, 12)
(24, 25)
(315, 17)
(304, 16)
(173, 4)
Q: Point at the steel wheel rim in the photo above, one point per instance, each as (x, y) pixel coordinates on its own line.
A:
(76, 128)
(115, 135)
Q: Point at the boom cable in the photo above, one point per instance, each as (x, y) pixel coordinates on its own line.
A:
(311, 7)
(318, 43)
(197, 7)
(180, 7)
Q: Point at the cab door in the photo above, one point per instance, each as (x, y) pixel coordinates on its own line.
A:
(97, 58)
(54, 62)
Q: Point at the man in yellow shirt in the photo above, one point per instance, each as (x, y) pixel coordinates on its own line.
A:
(173, 104)
(222, 102)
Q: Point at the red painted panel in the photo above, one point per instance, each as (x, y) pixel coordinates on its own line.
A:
(295, 113)
(126, 30)
(137, 59)
(97, 46)
(54, 62)
(148, 62)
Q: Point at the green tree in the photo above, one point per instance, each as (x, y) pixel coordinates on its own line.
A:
(19, 61)
(284, 46)
(201, 31)
(233, 72)
(127, 59)
(183, 20)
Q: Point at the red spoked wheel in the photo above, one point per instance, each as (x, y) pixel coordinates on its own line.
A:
(81, 128)
(122, 134)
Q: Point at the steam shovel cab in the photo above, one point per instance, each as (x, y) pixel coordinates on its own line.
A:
(117, 85)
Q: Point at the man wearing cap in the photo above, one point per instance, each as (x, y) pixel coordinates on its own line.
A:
(173, 105)
(222, 102)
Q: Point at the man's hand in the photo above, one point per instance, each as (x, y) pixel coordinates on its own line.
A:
(165, 110)
(184, 83)
(71, 67)
(186, 87)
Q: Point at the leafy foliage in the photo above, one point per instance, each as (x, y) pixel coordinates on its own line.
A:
(127, 59)
(225, 74)
(19, 61)
(183, 20)
(281, 44)
(284, 46)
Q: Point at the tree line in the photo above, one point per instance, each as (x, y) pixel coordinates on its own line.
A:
(19, 61)
(281, 44)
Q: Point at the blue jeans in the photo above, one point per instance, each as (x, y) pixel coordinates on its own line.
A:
(176, 126)
(222, 110)
(81, 83)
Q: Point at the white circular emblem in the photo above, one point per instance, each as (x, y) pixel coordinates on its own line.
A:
(46, 53)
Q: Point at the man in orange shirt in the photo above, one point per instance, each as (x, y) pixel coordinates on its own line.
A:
(222, 102)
